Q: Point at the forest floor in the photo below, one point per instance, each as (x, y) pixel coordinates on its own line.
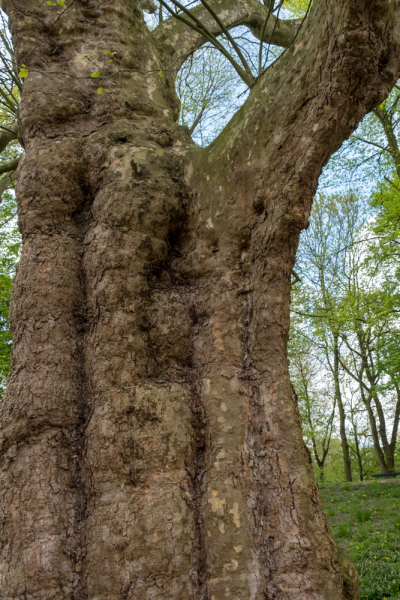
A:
(365, 520)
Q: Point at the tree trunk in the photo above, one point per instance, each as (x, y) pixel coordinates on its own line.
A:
(384, 118)
(396, 420)
(387, 448)
(357, 452)
(372, 380)
(374, 431)
(151, 443)
(342, 415)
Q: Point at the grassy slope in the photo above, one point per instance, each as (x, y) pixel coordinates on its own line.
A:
(365, 519)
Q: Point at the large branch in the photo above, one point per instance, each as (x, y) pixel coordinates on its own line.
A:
(182, 40)
(9, 166)
(7, 182)
(8, 133)
(344, 61)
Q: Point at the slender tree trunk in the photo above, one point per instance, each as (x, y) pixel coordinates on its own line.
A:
(372, 380)
(358, 453)
(342, 414)
(151, 443)
(391, 138)
(393, 441)
(327, 438)
(387, 448)
(374, 431)
(359, 460)
(389, 457)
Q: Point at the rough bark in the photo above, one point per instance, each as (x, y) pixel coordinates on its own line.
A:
(151, 442)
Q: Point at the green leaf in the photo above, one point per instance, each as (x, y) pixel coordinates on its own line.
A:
(61, 31)
(23, 72)
(49, 2)
(106, 52)
(100, 90)
(83, 57)
(95, 74)
(160, 73)
(60, 2)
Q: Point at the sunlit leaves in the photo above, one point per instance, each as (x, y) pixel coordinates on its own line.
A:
(23, 72)
(298, 8)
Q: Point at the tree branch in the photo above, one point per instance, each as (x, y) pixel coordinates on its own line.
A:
(8, 133)
(232, 13)
(191, 21)
(10, 166)
(355, 137)
(7, 182)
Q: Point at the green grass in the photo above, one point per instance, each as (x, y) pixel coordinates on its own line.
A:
(365, 520)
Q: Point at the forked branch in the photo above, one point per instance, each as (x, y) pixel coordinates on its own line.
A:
(189, 30)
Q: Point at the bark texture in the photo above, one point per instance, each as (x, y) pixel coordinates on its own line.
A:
(151, 443)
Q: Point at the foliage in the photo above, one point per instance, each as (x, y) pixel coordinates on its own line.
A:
(297, 8)
(10, 239)
(10, 244)
(345, 306)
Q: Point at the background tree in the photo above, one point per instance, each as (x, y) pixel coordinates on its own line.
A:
(316, 406)
(10, 89)
(207, 89)
(346, 302)
(9, 254)
(322, 265)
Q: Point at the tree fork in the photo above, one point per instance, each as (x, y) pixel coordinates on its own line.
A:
(151, 442)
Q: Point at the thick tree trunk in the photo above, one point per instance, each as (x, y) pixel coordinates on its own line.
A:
(151, 442)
